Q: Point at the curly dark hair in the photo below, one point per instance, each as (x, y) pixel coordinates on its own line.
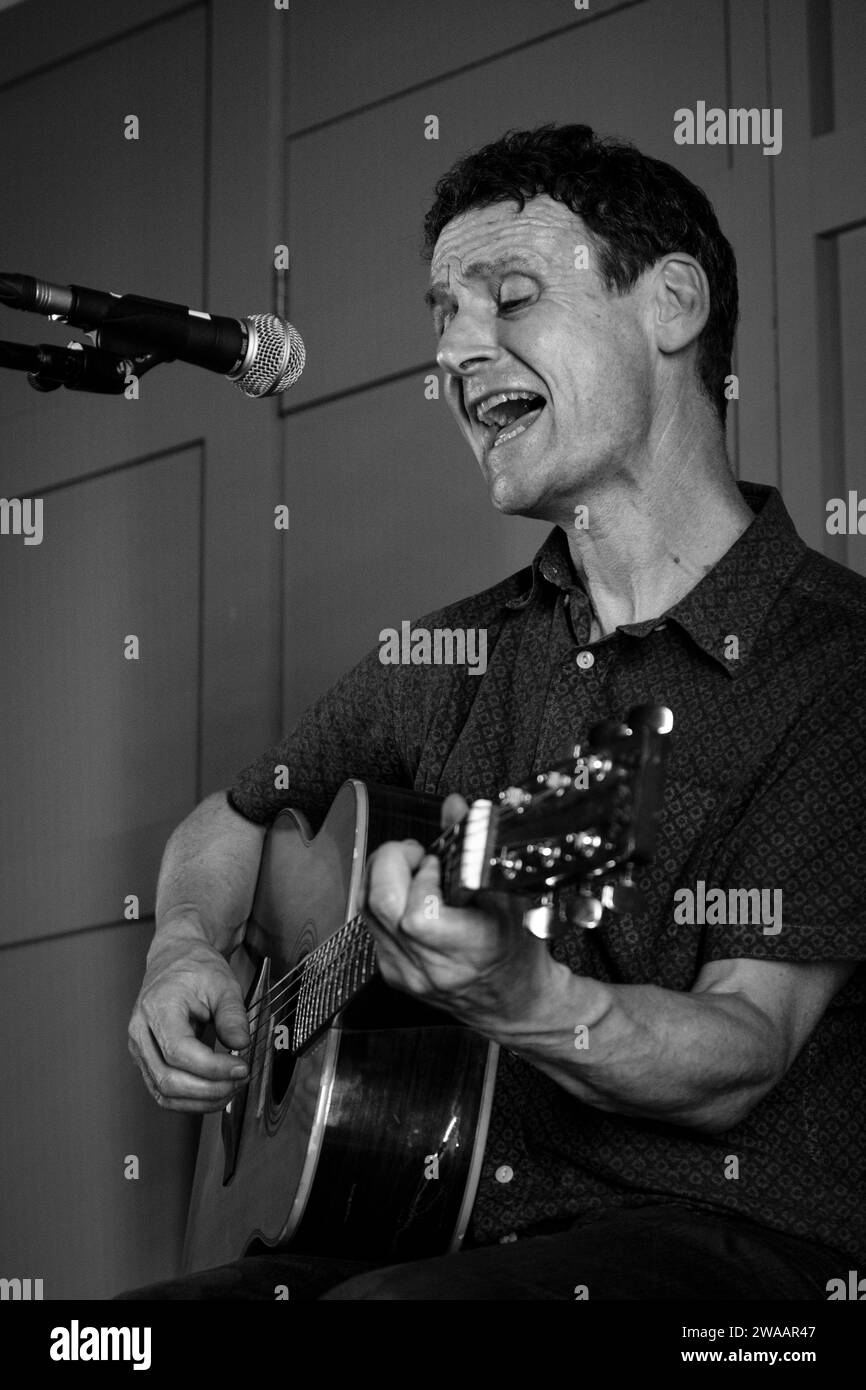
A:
(635, 208)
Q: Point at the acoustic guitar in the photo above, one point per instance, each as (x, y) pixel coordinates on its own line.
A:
(361, 1129)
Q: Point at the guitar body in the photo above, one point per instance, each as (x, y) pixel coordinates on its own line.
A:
(369, 1143)
(361, 1130)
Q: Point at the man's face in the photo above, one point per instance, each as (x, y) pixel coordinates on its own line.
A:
(515, 312)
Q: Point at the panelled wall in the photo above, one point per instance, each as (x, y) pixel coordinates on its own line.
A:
(158, 524)
(820, 231)
(306, 126)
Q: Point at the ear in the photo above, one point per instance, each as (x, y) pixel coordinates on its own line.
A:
(681, 295)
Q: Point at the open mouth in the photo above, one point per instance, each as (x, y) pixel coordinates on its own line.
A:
(508, 414)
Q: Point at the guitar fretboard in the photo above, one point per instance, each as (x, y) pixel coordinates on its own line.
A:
(331, 976)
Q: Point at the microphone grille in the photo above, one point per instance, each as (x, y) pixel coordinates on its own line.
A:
(274, 359)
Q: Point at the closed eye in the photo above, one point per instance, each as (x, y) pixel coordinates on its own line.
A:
(509, 297)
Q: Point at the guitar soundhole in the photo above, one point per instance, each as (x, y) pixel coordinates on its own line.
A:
(282, 1069)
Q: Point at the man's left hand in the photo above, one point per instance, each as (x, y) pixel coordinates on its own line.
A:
(477, 962)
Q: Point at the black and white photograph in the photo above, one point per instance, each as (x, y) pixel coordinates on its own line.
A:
(433, 605)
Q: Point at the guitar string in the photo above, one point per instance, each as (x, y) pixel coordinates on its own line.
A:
(282, 995)
(442, 843)
(310, 978)
(259, 1054)
(328, 966)
(311, 970)
(259, 1047)
(284, 989)
(292, 987)
(305, 976)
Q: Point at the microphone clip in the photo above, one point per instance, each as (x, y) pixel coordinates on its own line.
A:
(82, 368)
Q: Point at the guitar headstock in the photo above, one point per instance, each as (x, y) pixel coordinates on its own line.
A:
(587, 821)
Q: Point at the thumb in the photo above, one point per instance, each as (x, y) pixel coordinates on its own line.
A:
(230, 1019)
(454, 808)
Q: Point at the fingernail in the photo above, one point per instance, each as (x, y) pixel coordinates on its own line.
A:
(238, 1071)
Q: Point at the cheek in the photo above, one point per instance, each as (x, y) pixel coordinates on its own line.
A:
(460, 417)
(606, 380)
(452, 400)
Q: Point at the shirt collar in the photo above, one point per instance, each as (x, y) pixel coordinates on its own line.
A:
(732, 601)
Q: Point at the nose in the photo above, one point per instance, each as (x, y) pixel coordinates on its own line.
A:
(465, 346)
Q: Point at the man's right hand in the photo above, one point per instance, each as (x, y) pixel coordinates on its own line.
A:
(187, 985)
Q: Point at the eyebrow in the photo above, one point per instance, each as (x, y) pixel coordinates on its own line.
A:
(480, 270)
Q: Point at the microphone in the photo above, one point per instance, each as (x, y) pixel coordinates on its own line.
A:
(262, 354)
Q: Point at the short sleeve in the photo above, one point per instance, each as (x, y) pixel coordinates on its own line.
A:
(351, 731)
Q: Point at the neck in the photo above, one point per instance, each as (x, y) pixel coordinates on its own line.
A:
(653, 533)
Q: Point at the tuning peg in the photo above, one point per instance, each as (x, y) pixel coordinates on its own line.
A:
(547, 920)
(583, 911)
(658, 718)
(622, 897)
(540, 920)
(517, 797)
(558, 781)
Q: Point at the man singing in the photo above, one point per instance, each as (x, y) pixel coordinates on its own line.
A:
(710, 1139)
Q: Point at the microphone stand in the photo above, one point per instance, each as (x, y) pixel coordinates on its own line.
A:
(77, 367)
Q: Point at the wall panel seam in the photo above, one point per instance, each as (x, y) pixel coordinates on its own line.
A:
(171, 449)
(437, 78)
(56, 64)
(774, 254)
(371, 384)
(112, 925)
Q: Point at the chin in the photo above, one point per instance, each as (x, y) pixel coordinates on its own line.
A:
(510, 498)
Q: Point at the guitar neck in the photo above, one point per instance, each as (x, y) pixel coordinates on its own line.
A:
(588, 820)
(339, 968)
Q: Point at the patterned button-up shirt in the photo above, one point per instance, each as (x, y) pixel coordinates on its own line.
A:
(762, 664)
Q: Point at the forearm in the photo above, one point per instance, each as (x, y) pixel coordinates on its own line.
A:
(699, 1060)
(208, 875)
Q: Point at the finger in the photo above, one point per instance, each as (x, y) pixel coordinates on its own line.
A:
(173, 1089)
(454, 809)
(184, 1104)
(397, 969)
(425, 909)
(429, 928)
(181, 1050)
(433, 929)
(231, 1022)
(389, 874)
(150, 1084)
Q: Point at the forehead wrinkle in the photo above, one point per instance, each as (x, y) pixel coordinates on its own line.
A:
(503, 230)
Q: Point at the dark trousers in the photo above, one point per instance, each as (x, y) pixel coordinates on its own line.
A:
(656, 1252)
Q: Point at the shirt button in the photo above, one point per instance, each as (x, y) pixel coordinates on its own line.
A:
(504, 1173)
(585, 660)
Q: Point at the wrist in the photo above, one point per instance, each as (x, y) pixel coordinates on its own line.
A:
(176, 926)
(558, 1008)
